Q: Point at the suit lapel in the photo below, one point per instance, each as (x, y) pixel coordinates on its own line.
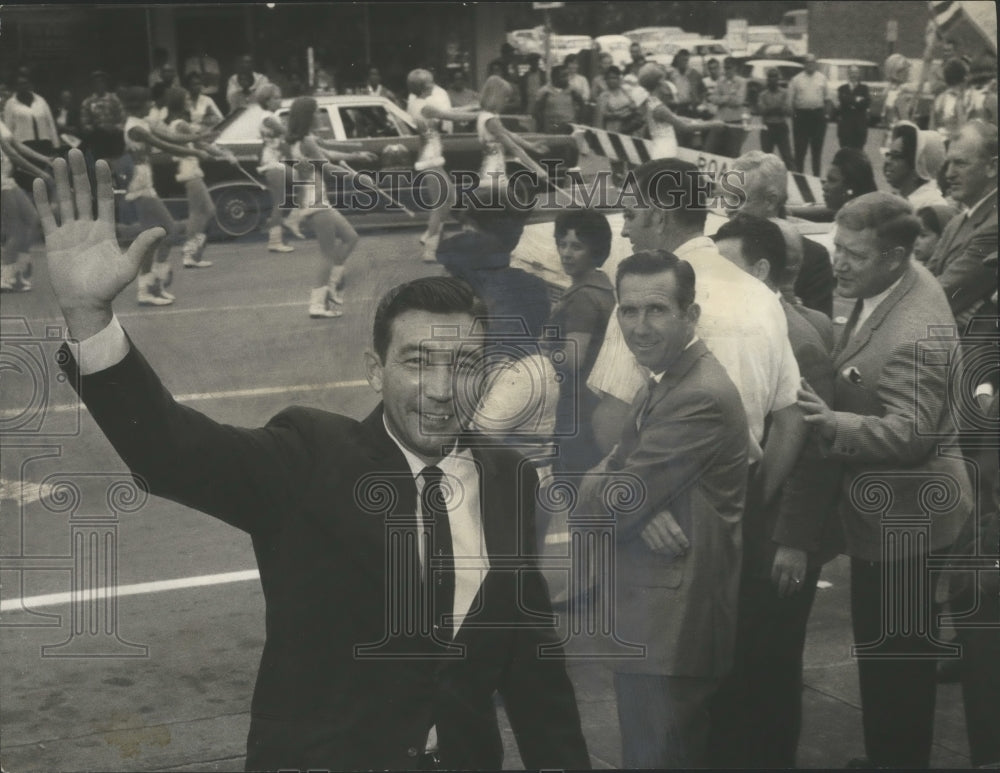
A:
(675, 374)
(863, 334)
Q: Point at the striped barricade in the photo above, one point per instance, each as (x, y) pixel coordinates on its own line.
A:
(802, 189)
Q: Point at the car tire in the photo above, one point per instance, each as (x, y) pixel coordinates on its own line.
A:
(238, 210)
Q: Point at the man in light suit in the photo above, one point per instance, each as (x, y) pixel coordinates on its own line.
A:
(678, 553)
(328, 501)
(890, 425)
(757, 716)
(959, 258)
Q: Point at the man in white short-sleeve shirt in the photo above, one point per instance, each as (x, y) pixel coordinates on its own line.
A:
(741, 323)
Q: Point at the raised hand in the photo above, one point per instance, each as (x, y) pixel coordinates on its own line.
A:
(86, 268)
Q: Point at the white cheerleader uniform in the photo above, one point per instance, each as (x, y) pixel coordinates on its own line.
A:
(494, 166)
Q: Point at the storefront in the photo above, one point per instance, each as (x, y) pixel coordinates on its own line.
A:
(63, 44)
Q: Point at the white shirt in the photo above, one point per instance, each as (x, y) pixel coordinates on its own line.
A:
(31, 122)
(978, 204)
(741, 323)
(868, 305)
(808, 92)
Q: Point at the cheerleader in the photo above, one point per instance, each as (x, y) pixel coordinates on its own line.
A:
(431, 108)
(19, 218)
(272, 166)
(498, 141)
(201, 210)
(140, 139)
(337, 238)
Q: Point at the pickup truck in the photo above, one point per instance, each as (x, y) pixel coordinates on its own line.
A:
(243, 203)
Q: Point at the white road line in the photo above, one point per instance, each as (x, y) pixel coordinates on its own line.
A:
(199, 396)
(210, 309)
(55, 599)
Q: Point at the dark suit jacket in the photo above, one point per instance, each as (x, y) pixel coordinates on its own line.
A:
(894, 421)
(314, 490)
(815, 283)
(958, 264)
(804, 513)
(690, 452)
(854, 103)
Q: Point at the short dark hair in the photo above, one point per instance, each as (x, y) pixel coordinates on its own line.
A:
(672, 184)
(650, 262)
(907, 132)
(954, 72)
(591, 227)
(435, 294)
(504, 222)
(729, 62)
(613, 70)
(570, 59)
(761, 240)
(856, 169)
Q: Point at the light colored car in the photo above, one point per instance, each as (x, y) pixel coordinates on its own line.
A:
(617, 46)
(654, 39)
(561, 46)
(700, 49)
(527, 41)
(835, 71)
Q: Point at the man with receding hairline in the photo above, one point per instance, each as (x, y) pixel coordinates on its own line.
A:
(958, 259)
(888, 420)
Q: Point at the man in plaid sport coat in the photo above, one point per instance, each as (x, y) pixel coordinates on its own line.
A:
(891, 426)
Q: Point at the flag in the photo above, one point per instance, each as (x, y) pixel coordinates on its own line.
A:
(973, 20)
(945, 14)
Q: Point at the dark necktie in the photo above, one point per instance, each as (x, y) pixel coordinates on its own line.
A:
(650, 386)
(851, 326)
(440, 565)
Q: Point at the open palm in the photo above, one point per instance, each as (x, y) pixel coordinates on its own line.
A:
(86, 267)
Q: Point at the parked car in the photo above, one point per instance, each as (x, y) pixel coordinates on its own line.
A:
(835, 71)
(654, 39)
(561, 46)
(527, 41)
(755, 71)
(375, 123)
(617, 46)
(775, 51)
(700, 49)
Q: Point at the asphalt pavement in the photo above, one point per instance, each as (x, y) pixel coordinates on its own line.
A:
(162, 679)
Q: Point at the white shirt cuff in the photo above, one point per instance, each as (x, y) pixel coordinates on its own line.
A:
(103, 350)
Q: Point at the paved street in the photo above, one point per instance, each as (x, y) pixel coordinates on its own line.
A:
(166, 684)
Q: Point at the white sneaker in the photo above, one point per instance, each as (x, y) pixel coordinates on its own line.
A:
(196, 263)
(151, 293)
(274, 243)
(12, 278)
(319, 304)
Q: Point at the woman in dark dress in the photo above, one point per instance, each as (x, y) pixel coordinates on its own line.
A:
(583, 238)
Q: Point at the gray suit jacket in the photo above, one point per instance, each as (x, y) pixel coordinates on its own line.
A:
(894, 421)
(957, 261)
(686, 440)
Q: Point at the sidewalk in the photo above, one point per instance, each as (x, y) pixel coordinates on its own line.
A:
(831, 733)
